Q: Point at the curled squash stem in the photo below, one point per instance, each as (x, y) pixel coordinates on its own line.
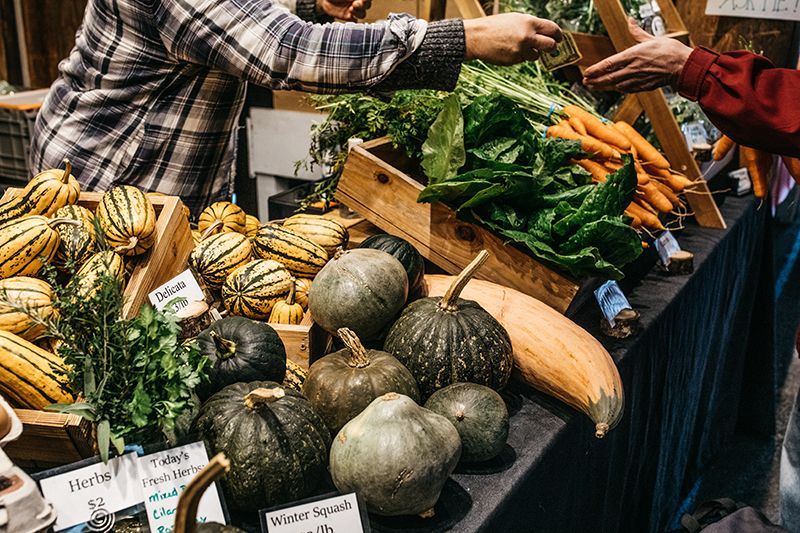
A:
(210, 230)
(186, 512)
(58, 221)
(292, 289)
(262, 396)
(226, 348)
(67, 171)
(358, 354)
(448, 301)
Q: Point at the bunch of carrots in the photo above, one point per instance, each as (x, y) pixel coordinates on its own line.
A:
(659, 186)
(758, 164)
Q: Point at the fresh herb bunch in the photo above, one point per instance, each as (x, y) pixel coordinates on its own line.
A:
(573, 15)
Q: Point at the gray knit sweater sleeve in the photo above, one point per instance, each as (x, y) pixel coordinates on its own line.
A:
(436, 64)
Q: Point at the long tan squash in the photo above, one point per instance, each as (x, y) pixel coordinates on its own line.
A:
(551, 353)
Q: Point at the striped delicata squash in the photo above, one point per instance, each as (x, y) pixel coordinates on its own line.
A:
(221, 217)
(251, 226)
(128, 220)
(302, 257)
(30, 376)
(47, 192)
(27, 243)
(301, 288)
(327, 233)
(76, 243)
(252, 290)
(107, 262)
(219, 255)
(20, 297)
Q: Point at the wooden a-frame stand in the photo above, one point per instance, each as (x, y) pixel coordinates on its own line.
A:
(595, 48)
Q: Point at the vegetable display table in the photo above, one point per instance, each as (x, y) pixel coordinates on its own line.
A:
(686, 374)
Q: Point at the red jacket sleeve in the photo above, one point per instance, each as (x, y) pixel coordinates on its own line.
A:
(747, 98)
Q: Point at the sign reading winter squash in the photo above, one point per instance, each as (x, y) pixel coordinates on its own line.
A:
(762, 9)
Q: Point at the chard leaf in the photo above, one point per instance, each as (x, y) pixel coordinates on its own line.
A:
(443, 151)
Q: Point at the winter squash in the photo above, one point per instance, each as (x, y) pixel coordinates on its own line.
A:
(105, 263)
(480, 416)
(360, 289)
(76, 243)
(221, 217)
(287, 311)
(408, 256)
(327, 233)
(47, 192)
(189, 500)
(128, 219)
(295, 376)
(445, 340)
(30, 376)
(396, 455)
(302, 257)
(33, 295)
(240, 349)
(342, 384)
(277, 444)
(27, 243)
(219, 255)
(251, 226)
(301, 288)
(251, 290)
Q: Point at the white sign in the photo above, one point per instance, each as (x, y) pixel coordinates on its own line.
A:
(742, 178)
(666, 246)
(761, 9)
(94, 493)
(177, 293)
(611, 300)
(163, 476)
(339, 514)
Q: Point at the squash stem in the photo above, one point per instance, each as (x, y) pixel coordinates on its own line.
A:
(292, 289)
(53, 222)
(186, 512)
(211, 229)
(67, 171)
(359, 358)
(448, 301)
(600, 430)
(225, 348)
(132, 242)
(262, 396)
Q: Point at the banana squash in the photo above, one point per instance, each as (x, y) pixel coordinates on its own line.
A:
(29, 376)
(128, 220)
(302, 257)
(76, 243)
(221, 217)
(327, 233)
(219, 255)
(27, 243)
(22, 297)
(253, 289)
(47, 192)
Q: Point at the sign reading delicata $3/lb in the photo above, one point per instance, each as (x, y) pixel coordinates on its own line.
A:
(762, 9)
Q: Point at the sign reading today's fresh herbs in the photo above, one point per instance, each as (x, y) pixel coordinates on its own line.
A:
(763, 9)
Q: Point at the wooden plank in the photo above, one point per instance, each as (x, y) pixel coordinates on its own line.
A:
(630, 110)
(10, 67)
(387, 197)
(50, 439)
(305, 342)
(672, 18)
(594, 48)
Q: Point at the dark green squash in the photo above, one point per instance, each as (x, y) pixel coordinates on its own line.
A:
(240, 349)
(361, 289)
(189, 500)
(480, 416)
(446, 340)
(277, 444)
(396, 455)
(342, 384)
(409, 257)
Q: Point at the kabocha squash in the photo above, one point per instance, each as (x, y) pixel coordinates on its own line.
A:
(105, 263)
(221, 217)
(287, 311)
(295, 376)
(251, 226)
(551, 353)
(43, 195)
(240, 349)
(480, 416)
(327, 233)
(408, 256)
(219, 255)
(76, 243)
(444, 340)
(360, 289)
(301, 257)
(252, 290)
(342, 384)
(128, 219)
(21, 296)
(396, 455)
(301, 288)
(27, 243)
(29, 376)
(276, 442)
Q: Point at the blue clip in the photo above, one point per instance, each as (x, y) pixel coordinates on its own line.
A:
(233, 198)
(552, 110)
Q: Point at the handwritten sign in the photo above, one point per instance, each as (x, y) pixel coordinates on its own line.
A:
(762, 9)
(611, 300)
(666, 246)
(93, 493)
(163, 476)
(177, 293)
(338, 514)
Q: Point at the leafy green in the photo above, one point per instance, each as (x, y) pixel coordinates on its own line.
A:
(443, 151)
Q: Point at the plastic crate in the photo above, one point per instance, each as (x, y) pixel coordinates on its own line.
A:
(16, 130)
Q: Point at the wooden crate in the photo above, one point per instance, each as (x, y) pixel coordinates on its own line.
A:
(306, 342)
(50, 439)
(373, 185)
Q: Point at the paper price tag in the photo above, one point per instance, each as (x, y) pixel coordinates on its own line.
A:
(666, 246)
(741, 180)
(177, 293)
(336, 514)
(611, 300)
(695, 134)
(93, 493)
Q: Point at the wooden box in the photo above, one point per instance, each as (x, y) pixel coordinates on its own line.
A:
(306, 342)
(50, 439)
(373, 185)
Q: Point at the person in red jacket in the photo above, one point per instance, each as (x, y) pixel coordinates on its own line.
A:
(749, 99)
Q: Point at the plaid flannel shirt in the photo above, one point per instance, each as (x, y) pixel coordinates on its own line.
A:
(151, 93)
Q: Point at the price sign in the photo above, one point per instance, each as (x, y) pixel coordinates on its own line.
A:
(761, 9)
(93, 493)
(666, 246)
(611, 301)
(177, 293)
(336, 514)
(741, 181)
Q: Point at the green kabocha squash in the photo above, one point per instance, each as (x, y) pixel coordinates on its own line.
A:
(396, 455)
(240, 349)
(215, 257)
(189, 500)
(77, 243)
(252, 290)
(342, 384)
(361, 289)
(446, 339)
(128, 219)
(276, 442)
(480, 416)
(408, 256)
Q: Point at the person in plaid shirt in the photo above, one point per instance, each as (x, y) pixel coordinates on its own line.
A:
(151, 93)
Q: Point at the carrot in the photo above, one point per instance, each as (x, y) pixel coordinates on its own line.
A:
(722, 147)
(656, 199)
(758, 166)
(666, 191)
(647, 152)
(599, 174)
(588, 144)
(577, 125)
(793, 166)
(642, 178)
(678, 183)
(644, 205)
(657, 172)
(596, 128)
(636, 222)
(566, 125)
(649, 220)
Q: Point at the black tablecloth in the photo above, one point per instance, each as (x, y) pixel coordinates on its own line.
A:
(683, 380)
